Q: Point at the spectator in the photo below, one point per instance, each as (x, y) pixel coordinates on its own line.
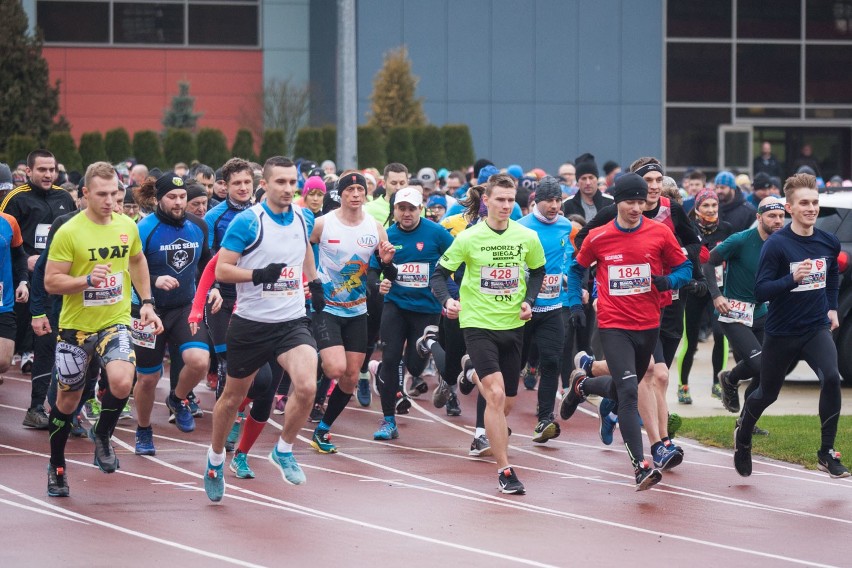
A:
(766, 162)
(733, 208)
(611, 169)
(589, 199)
(806, 158)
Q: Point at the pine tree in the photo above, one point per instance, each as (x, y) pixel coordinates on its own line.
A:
(393, 100)
(28, 102)
(181, 114)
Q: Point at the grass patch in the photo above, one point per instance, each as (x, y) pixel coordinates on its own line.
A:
(793, 439)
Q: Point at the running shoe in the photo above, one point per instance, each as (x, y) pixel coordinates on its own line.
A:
(646, 477)
(57, 484)
(280, 403)
(758, 431)
(418, 387)
(77, 429)
(290, 470)
(126, 412)
(373, 369)
(465, 384)
(829, 462)
(530, 377)
(214, 481)
(365, 397)
(583, 360)
(234, 434)
(429, 332)
(183, 417)
(716, 391)
(387, 430)
(145, 442)
(317, 412)
(605, 408)
(683, 395)
(321, 442)
(212, 380)
(742, 455)
(509, 483)
(92, 409)
(545, 430)
(27, 362)
(239, 465)
(674, 424)
(574, 396)
(105, 457)
(36, 418)
(480, 447)
(667, 458)
(453, 407)
(441, 394)
(430, 370)
(196, 410)
(403, 404)
(730, 394)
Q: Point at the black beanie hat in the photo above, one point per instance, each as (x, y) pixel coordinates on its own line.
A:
(478, 165)
(762, 181)
(167, 182)
(629, 186)
(585, 164)
(610, 166)
(548, 188)
(194, 189)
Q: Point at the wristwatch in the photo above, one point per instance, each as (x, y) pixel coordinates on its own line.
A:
(148, 301)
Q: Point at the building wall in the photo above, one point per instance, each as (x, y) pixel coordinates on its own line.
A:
(537, 81)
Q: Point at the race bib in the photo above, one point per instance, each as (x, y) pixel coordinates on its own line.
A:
(142, 335)
(550, 287)
(42, 229)
(413, 274)
(107, 293)
(496, 281)
(675, 295)
(629, 279)
(287, 285)
(815, 278)
(720, 275)
(741, 312)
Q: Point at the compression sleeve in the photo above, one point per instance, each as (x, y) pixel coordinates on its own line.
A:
(208, 277)
(534, 284)
(438, 283)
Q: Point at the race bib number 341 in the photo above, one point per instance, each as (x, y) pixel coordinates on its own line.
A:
(502, 280)
(629, 279)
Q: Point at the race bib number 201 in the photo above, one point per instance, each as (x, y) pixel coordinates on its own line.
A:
(413, 275)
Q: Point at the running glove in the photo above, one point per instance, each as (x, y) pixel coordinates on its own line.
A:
(578, 316)
(661, 283)
(697, 287)
(268, 274)
(317, 295)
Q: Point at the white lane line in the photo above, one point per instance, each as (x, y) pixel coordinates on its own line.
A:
(41, 511)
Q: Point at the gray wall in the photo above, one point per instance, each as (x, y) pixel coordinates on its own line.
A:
(537, 81)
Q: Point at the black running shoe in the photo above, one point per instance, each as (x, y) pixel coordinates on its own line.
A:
(545, 430)
(646, 476)
(573, 396)
(453, 407)
(730, 394)
(418, 386)
(317, 412)
(57, 484)
(829, 462)
(105, 457)
(509, 483)
(742, 455)
(403, 404)
(465, 384)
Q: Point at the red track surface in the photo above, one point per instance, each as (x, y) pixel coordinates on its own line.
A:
(419, 501)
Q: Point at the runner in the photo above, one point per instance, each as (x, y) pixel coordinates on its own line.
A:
(265, 252)
(175, 246)
(13, 268)
(495, 301)
(798, 275)
(347, 238)
(631, 254)
(92, 257)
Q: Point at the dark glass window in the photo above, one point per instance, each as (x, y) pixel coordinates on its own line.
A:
(148, 23)
(828, 79)
(829, 113)
(217, 24)
(74, 22)
(768, 73)
(699, 18)
(698, 72)
(829, 19)
(692, 136)
(782, 19)
(767, 112)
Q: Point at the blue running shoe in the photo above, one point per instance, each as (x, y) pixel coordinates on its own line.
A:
(183, 416)
(321, 442)
(363, 391)
(667, 458)
(193, 405)
(583, 360)
(145, 442)
(234, 434)
(606, 406)
(290, 470)
(239, 465)
(387, 430)
(214, 482)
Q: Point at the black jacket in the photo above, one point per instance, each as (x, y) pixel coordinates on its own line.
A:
(738, 212)
(574, 206)
(769, 166)
(32, 206)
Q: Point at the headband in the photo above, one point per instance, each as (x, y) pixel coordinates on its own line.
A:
(770, 207)
(652, 167)
(351, 179)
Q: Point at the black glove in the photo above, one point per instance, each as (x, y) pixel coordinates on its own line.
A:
(578, 316)
(697, 287)
(267, 275)
(661, 283)
(317, 296)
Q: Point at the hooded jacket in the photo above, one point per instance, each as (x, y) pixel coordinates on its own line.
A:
(738, 212)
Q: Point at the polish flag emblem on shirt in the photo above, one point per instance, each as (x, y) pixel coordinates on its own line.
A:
(334, 241)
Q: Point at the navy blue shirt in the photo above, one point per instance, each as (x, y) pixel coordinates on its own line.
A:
(795, 309)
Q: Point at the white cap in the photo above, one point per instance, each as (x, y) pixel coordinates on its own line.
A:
(409, 195)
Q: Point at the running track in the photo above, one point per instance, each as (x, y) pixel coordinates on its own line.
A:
(418, 501)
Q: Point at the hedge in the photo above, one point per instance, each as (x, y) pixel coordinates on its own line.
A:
(63, 147)
(243, 146)
(117, 143)
(273, 144)
(309, 145)
(429, 146)
(92, 148)
(371, 148)
(179, 146)
(400, 146)
(212, 147)
(148, 150)
(329, 142)
(458, 146)
(18, 148)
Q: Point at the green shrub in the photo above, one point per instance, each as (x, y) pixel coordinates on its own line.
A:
(148, 150)
(329, 142)
(429, 147)
(212, 147)
(400, 147)
(371, 148)
(92, 148)
(63, 147)
(273, 144)
(243, 146)
(18, 147)
(117, 143)
(179, 146)
(309, 145)
(458, 146)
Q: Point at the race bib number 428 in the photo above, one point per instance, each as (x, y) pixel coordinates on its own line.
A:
(499, 280)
